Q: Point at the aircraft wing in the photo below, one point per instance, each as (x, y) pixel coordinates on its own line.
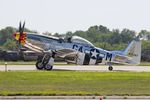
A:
(61, 52)
(65, 52)
(33, 47)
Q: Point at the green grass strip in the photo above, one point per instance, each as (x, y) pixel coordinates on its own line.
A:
(74, 83)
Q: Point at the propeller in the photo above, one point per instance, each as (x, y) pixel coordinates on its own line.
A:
(21, 31)
(20, 35)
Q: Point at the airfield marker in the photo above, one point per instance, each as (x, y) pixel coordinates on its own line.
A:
(5, 66)
(100, 98)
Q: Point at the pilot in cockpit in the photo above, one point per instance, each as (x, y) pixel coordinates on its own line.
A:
(69, 40)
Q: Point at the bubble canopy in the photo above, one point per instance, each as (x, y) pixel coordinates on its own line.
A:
(80, 40)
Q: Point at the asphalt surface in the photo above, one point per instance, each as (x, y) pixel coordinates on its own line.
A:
(101, 68)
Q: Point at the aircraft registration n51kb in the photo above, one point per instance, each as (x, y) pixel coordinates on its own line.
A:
(76, 50)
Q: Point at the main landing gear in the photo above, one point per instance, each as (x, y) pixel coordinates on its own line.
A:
(45, 62)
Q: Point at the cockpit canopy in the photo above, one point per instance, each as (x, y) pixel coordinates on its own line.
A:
(80, 40)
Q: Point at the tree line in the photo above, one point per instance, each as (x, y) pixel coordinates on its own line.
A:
(100, 36)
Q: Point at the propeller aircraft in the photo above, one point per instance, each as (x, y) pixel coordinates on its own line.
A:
(76, 50)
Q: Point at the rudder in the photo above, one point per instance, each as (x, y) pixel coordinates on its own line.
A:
(133, 51)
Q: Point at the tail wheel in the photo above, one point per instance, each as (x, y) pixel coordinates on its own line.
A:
(48, 67)
(110, 68)
(39, 65)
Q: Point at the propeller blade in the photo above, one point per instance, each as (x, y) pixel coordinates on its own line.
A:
(19, 26)
(23, 27)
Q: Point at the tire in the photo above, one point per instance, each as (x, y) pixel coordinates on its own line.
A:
(48, 67)
(39, 65)
(110, 68)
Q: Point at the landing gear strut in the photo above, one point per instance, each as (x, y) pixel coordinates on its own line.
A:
(110, 68)
(39, 63)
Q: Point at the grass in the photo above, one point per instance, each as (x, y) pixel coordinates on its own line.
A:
(74, 83)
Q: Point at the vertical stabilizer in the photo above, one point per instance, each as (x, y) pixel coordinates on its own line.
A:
(133, 51)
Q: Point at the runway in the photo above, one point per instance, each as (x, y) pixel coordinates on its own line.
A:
(96, 68)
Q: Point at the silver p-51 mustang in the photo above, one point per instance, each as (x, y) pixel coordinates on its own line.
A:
(76, 50)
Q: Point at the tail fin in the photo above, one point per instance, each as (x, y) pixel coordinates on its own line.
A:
(133, 51)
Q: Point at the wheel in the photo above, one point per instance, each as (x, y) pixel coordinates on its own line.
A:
(48, 67)
(39, 65)
(110, 68)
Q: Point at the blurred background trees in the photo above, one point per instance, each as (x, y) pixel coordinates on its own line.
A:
(100, 36)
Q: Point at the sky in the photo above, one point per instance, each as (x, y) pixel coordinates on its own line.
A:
(70, 15)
